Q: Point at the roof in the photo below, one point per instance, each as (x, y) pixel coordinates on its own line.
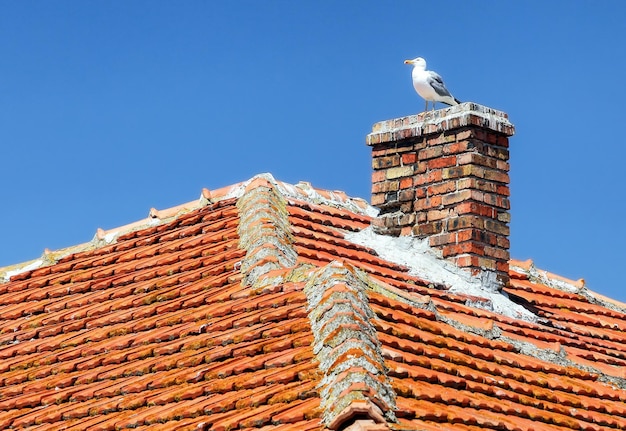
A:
(265, 306)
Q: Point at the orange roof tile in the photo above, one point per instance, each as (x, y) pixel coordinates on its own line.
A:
(251, 308)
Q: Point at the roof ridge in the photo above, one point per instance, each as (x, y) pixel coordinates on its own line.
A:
(347, 347)
(302, 191)
(264, 231)
(564, 284)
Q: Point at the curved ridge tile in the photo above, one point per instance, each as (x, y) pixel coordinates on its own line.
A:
(347, 348)
(264, 231)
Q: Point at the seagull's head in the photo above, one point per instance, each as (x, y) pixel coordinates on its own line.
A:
(417, 62)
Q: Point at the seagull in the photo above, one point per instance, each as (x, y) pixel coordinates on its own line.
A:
(429, 85)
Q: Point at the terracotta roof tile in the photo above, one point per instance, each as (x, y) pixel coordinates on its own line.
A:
(250, 309)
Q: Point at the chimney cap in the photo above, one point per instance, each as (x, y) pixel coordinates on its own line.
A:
(425, 123)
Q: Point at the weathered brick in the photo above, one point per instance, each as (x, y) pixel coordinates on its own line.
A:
(458, 171)
(442, 238)
(441, 188)
(496, 200)
(430, 177)
(487, 263)
(497, 253)
(406, 195)
(401, 171)
(504, 217)
(477, 159)
(497, 227)
(386, 162)
(378, 199)
(456, 197)
(465, 222)
(427, 228)
(503, 242)
(464, 134)
(473, 234)
(457, 190)
(476, 183)
(430, 152)
(385, 186)
(495, 175)
(427, 203)
(442, 138)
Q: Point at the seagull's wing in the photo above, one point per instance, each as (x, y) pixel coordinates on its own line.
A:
(435, 81)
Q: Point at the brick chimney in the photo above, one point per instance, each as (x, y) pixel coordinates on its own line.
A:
(443, 175)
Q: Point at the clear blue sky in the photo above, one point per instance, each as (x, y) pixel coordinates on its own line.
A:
(109, 108)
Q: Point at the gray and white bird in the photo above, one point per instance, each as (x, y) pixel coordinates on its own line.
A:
(429, 85)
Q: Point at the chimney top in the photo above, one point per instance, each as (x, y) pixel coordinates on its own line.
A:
(443, 175)
(441, 120)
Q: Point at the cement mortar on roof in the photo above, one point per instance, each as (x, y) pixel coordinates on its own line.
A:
(427, 263)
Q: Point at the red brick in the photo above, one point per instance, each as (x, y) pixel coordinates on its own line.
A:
(434, 176)
(406, 183)
(442, 162)
(476, 235)
(503, 141)
(379, 176)
(469, 247)
(503, 190)
(475, 208)
(503, 267)
(434, 215)
(465, 261)
(409, 158)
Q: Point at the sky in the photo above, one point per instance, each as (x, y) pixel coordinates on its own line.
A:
(110, 108)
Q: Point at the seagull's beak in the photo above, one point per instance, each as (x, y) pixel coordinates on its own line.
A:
(408, 61)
